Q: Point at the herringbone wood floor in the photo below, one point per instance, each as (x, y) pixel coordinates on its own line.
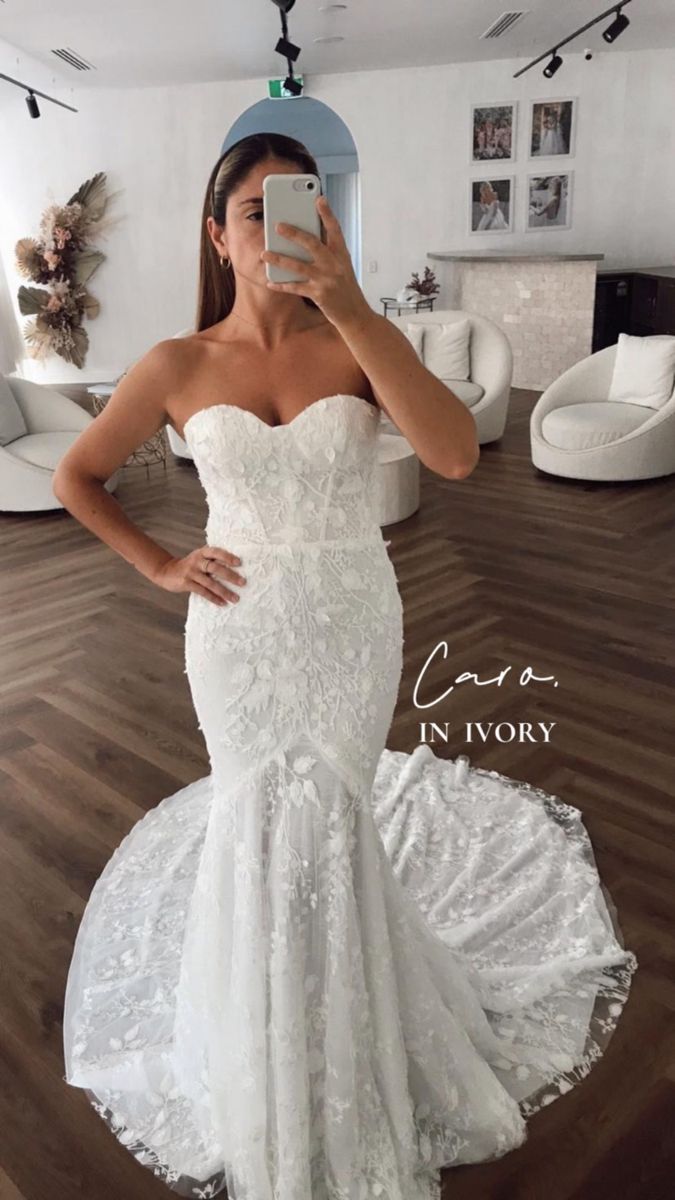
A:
(512, 568)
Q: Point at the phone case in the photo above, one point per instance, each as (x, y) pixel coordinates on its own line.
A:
(285, 199)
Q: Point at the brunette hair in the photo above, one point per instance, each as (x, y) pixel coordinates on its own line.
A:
(216, 289)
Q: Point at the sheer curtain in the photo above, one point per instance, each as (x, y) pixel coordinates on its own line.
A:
(344, 196)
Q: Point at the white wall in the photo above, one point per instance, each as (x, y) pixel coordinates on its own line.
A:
(411, 128)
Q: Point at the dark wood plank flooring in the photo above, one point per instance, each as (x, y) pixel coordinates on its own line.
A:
(510, 567)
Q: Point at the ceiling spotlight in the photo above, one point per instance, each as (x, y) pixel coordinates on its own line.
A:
(288, 49)
(291, 85)
(612, 32)
(32, 105)
(551, 67)
(334, 38)
(610, 35)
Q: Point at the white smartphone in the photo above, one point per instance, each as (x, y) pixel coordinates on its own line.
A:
(290, 198)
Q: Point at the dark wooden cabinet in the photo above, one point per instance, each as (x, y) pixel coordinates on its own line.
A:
(643, 305)
(665, 307)
(640, 302)
(612, 309)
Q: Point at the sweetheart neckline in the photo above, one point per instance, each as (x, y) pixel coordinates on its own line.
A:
(285, 424)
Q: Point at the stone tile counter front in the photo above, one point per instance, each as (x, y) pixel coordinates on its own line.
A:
(543, 302)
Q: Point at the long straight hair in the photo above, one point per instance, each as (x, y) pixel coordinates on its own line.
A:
(217, 289)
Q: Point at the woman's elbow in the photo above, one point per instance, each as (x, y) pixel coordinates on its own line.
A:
(452, 468)
(466, 469)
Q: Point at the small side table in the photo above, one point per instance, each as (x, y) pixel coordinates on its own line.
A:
(390, 302)
(151, 451)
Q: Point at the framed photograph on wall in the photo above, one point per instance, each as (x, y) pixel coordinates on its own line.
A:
(491, 204)
(493, 132)
(552, 127)
(549, 201)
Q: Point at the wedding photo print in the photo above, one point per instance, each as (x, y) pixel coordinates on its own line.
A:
(337, 482)
(552, 128)
(493, 131)
(549, 201)
(491, 204)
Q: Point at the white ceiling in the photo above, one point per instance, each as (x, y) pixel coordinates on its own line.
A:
(132, 43)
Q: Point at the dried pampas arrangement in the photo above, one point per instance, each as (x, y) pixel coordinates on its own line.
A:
(62, 260)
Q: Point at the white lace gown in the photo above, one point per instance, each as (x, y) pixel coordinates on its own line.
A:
(492, 216)
(552, 142)
(327, 969)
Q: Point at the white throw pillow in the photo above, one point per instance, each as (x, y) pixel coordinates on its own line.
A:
(644, 370)
(12, 424)
(446, 348)
(414, 332)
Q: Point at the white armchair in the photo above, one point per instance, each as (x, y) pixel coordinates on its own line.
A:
(486, 392)
(38, 425)
(576, 432)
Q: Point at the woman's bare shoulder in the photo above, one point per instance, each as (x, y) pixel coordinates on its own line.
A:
(175, 354)
(166, 351)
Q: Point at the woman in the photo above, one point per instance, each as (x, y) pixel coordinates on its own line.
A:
(549, 207)
(262, 996)
(492, 216)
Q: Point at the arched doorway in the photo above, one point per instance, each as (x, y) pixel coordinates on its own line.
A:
(329, 140)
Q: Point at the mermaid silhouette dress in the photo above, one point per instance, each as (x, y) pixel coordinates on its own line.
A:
(552, 141)
(327, 969)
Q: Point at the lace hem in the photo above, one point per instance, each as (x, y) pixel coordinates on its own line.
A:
(612, 982)
(609, 983)
(429, 1181)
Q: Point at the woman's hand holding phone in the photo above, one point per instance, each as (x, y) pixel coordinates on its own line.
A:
(328, 276)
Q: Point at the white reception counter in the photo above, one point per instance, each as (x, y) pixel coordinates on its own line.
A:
(544, 302)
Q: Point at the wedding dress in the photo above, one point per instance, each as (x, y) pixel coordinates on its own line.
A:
(327, 969)
(552, 141)
(492, 216)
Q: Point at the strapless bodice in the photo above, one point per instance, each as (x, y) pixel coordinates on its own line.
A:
(310, 480)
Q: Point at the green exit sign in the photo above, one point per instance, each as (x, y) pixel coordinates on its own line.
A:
(277, 91)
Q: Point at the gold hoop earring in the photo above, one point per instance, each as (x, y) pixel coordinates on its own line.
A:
(222, 261)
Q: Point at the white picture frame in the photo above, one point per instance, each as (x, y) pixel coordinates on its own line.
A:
(561, 112)
(497, 215)
(540, 200)
(484, 115)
